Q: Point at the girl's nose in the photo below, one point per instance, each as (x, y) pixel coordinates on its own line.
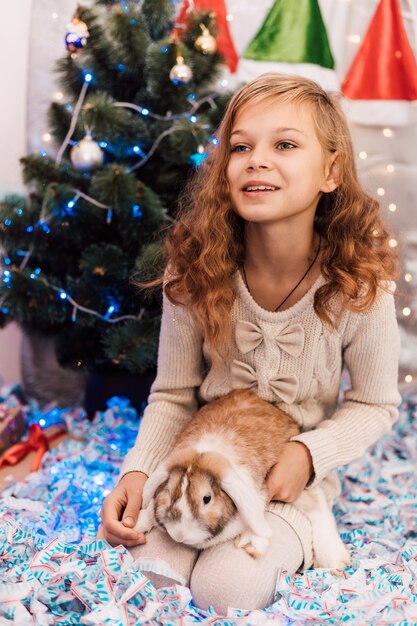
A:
(258, 160)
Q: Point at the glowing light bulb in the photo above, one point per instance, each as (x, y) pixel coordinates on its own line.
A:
(390, 168)
(54, 16)
(380, 191)
(406, 311)
(393, 243)
(387, 132)
(363, 155)
(229, 17)
(408, 278)
(46, 137)
(392, 207)
(408, 378)
(58, 96)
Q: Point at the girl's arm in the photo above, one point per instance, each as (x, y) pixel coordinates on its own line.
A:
(173, 398)
(369, 408)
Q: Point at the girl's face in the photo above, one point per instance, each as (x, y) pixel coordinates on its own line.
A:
(277, 169)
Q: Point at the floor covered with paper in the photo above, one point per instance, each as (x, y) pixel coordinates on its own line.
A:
(53, 572)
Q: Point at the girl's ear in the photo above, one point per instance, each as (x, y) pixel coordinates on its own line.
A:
(332, 174)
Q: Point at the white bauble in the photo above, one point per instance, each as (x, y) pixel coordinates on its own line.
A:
(87, 154)
(181, 73)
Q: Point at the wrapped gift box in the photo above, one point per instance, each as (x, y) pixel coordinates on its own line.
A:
(12, 426)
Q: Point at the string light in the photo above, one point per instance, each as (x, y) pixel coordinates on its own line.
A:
(387, 132)
(392, 207)
(390, 168)
(408, 378)
(408, 278)
(406, 311)
(64, 296)
(393, 243)
(380, 191)
(353, 38)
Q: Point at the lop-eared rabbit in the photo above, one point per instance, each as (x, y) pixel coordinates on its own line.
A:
(211, 487)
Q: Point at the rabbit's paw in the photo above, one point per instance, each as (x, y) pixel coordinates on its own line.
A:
(332, 554)
(145, 521)
(254, 545)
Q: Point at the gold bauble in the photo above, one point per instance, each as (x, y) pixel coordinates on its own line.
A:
(206, 43)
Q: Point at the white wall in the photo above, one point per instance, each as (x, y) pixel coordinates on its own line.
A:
(14, 47)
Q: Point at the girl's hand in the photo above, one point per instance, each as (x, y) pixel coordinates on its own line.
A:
(291, 473)
(120, 511)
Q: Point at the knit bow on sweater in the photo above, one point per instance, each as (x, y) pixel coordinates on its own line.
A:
(249, 336)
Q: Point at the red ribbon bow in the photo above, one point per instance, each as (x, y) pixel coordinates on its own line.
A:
(37, 442)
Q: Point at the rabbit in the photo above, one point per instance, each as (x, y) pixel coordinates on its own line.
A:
(211, 487)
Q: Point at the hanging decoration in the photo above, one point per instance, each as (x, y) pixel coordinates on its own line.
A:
(180, 73)
(77, 35)
(86, 154)
(293, 32)
(205, 43)
(225, 45)
(385, 67)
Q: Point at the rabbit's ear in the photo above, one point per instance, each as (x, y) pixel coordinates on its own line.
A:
(159, 476)
(249, 502)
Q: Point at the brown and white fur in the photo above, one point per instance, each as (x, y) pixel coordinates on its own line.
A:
(211, 487)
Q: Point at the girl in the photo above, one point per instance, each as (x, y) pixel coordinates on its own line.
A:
(278, 275)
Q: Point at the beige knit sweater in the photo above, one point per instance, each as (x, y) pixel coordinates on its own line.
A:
(293, 360)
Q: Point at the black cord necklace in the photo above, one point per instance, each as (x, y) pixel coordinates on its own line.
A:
(297, 285)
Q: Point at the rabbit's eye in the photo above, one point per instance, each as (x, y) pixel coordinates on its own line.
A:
(206, 499)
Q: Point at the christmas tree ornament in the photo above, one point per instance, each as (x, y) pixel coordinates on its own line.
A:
(86, 154)
(77, 35)
(383, 69)
(293, 32)
(180, 73)
(205, 43)
(224, 40)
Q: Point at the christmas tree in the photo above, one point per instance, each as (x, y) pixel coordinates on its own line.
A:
(139, 107)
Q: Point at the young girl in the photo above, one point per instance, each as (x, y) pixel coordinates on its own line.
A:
(278, 275)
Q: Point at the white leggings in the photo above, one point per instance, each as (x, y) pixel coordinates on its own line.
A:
(223, 575)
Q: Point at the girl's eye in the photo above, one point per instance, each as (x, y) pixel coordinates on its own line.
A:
(239, 148)
(285, 145)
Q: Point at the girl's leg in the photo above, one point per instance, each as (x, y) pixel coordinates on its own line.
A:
(226, 576)
(179, 558)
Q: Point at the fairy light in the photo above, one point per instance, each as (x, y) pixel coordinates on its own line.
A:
(408, 378)
(54, 16)
(363, 155)
(46, 137)
(387, 132)
(229, 17)
(380, 191)
(390, 168)
(406, 311)
(408, 278)
(353, 38)
(58, 96)
(393, 243)
(392, 207)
